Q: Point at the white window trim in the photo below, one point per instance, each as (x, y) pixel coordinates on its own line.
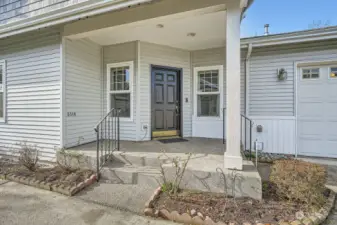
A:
(4, 75)
(130, 64)
(311, 67)
(196, 70)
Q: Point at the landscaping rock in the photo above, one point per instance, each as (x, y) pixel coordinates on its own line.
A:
(52, 177)
(300, 215)
(222, 223)
(209, 221)
(307, 221)
(314, 219)
(283, 223)
(193, 212)
(197, 221)
(184, 218)
(174, 215)
(200, 215)
(296, 222)
(165, 214)
(73, 177)
(148, 212)
(319, 216)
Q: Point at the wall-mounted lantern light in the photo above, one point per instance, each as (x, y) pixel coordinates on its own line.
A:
(282, 74)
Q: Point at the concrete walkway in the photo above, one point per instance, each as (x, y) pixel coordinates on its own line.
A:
(20, 204)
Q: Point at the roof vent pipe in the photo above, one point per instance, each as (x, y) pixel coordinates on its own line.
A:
(266, 29)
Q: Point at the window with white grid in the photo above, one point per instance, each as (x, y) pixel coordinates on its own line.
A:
(208, 91)
(120, 87)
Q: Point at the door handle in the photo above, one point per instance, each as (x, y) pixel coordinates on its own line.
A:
(177, 107)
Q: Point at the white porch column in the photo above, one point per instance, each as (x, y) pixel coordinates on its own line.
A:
(233, 159)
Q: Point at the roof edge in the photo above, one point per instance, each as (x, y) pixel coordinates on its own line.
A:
(291, 37)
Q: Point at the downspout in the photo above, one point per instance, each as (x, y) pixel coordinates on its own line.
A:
(247, 73)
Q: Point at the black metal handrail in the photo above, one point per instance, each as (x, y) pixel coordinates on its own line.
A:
(246, 139)
(107, 138)
(246, 131)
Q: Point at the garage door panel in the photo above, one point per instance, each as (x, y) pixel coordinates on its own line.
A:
(331, 130)
(332, 90)
(317, 115)
(310, 91)
(310, 146)
(331, 148)
(311, 128)
(312, 109)
(331, 110)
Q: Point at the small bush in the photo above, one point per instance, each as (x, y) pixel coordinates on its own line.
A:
(179, 164)
(28, 156)
(299, 181)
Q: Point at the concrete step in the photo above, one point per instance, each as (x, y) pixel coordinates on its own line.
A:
(118, 173)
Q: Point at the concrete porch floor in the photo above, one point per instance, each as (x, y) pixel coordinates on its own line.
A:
(193, 145)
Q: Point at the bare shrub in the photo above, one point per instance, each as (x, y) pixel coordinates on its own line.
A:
(28, 156)
(171, 186)
(299, 181)
(68, 159)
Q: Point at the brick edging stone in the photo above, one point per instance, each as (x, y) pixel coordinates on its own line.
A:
(313, 219)
(66, 190)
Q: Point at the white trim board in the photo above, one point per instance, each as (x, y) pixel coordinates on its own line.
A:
(4, 93)
(220, 92)
(130, 64)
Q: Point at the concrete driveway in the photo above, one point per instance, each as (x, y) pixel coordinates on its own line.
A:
(20, 204)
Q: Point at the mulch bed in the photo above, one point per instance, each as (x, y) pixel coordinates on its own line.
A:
(52, 176)
(221, 209)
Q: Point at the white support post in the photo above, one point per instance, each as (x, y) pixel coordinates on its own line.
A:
(233, 159)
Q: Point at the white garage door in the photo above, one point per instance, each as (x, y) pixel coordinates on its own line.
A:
(317, 111)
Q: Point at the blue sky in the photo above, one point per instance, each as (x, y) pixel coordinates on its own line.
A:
(287, 15)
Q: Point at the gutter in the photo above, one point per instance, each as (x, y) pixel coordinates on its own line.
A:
(247, 74)
(291, 38)
(76, 13)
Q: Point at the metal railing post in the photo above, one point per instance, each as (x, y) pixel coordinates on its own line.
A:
(223, 126)
(97, 153)
(118, 132)
(250, 139)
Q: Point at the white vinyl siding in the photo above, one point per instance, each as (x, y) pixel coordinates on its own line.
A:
(212, 57)
(267, 95)
(217, 56)
(15, 10)
(33, 92)
(152, 54)
(125, 52)
(83, 91)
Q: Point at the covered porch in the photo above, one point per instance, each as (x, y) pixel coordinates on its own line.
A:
(165, 65)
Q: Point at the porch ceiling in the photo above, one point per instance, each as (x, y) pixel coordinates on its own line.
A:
(193, 30)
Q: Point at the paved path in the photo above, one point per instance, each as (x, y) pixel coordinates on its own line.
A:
(20, 204)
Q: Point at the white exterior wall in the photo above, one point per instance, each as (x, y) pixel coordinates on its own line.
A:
(213, 128)
(115, 54)
(33, 92)
(272, 103)
(83, 91)
(152, 54)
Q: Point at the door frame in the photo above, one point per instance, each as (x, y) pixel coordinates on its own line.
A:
(180, 91)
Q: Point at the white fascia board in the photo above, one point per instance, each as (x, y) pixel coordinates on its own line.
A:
(290, 38)
(243, 3)
(52, 18)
